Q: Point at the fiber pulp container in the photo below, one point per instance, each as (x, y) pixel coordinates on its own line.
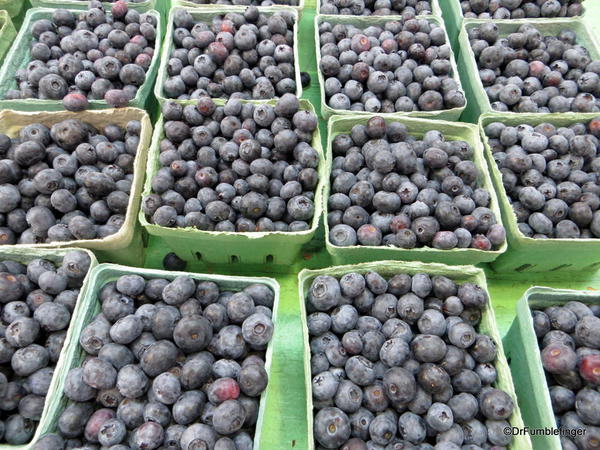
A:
(364, 22)
(12, 7)
(55, 255)
(416, 127)
(7, 33)
(436, 10)
(206, 15)
(453, 17)
(211, 5)
(279, 248)
(387, 269)
(528, 254)
(477, 98)
(73, 354)
(18, 58)
(142, 6)
(125, 245)
(525, 361)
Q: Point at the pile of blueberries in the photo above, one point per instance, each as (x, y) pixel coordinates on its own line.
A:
(69, 181)
(38, 300)
(569, 340)
(389, 188)
(169, 364)
(400, 66)
(89, 55)
(529, 72)
(551, 177)
(399, 363)
(239, 167)
(408, 9)
(520, 9)
(248, 56)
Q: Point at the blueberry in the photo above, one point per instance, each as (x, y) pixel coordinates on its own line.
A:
(332, 427)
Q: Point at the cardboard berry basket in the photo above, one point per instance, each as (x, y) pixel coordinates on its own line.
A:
(416, 127)
(142, 6)
(18, 58)
(363, 22)
(279, 248)
(453, 17)
(7, 33)
(54, 255)
(125, 245)
(537, 255)
(436, 9)
(12, 7)
(387, 269)
(213, 5)
(523, 353)
(477, 98)
(74, 355)
(206, 15)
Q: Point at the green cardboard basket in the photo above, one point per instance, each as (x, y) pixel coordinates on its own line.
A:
(417, 127)
(459, 274)
(477, 98)
(528, 254)
(525, 362)
(18, 57)
(279, 248)
(220, 8)
(7, 33)
(366, 21)
(13, 7)
(56, 256)
(142, 6)
(126, 244)
(73, 355)
(436, 10)
(453, 17)
(205, 14)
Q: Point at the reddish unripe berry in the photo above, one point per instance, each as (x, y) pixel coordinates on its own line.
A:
(223, 389)
(399, 222)
(119, 9)
(589, 368)
(228, 26)
(143, 60)
(536, 69)
(595, 126)
(480, 242)
(96, 421)
(75, 102)
(218, 52)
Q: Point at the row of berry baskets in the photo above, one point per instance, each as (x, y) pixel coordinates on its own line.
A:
(144, 357)
(362, 210)
(356, 210)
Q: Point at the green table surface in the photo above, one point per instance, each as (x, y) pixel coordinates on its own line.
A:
(286, 406)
